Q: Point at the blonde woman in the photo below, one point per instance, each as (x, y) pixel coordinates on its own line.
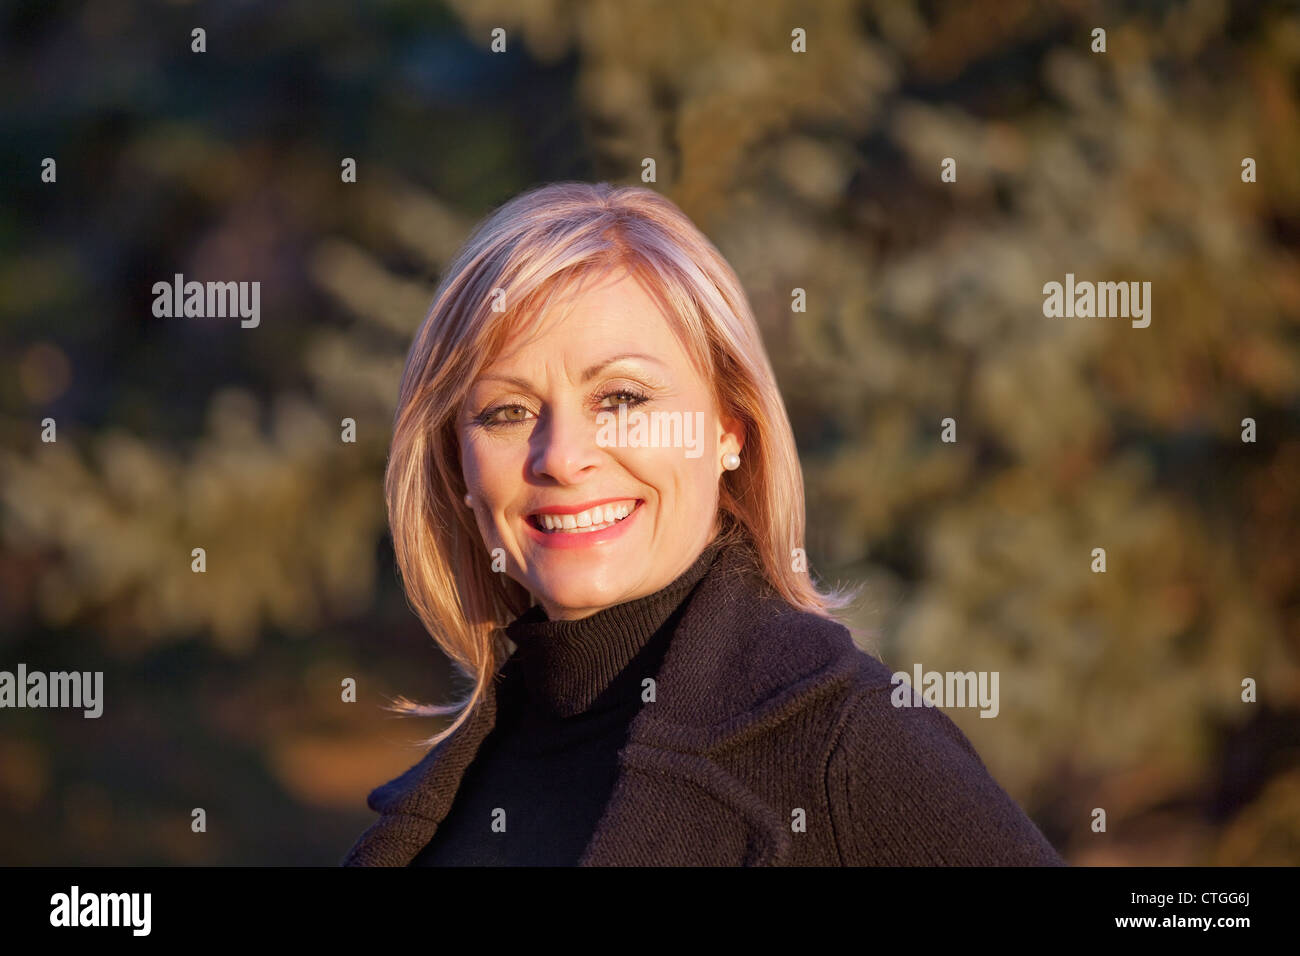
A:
(596, 503)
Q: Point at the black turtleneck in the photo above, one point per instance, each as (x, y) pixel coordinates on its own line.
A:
(565, 700)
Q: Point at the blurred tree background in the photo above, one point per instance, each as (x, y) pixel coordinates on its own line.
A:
(818, 171)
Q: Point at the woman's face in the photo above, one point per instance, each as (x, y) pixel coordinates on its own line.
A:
(588, 511)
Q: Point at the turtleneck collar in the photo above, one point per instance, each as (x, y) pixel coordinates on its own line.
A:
(566, 666)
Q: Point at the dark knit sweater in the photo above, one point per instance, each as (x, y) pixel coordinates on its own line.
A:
(542, 777)
(771, 741)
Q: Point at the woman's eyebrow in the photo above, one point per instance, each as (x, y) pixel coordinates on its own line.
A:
(595, 369)
(586, 375)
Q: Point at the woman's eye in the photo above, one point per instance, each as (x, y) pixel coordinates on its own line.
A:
(505, 415)
(625, 398)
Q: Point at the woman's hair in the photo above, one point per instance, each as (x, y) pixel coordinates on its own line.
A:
(532, 248)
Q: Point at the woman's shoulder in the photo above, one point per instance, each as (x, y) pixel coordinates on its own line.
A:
(905, 785)
(898, 765)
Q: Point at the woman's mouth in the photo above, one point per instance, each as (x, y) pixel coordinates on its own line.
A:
(598, 517)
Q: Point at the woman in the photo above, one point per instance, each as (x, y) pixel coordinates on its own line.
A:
(597, 510)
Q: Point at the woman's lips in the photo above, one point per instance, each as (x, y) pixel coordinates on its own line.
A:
(583, 519)
(590, 533)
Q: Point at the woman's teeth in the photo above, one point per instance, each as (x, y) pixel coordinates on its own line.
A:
(593, 519)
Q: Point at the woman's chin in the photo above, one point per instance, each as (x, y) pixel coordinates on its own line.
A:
(583, 597)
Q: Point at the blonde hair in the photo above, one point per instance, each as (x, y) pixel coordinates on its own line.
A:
(529, 250)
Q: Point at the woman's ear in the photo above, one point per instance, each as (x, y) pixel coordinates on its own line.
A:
(731, 434)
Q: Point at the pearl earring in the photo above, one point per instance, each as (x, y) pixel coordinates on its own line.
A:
(731, 461)
(469, 502)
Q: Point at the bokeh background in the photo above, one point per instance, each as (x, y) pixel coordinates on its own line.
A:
(818, 171)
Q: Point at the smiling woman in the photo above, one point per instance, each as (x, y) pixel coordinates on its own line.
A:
(653, 677)
(540, 481)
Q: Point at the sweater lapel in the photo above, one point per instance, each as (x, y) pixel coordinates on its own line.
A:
(673, 804)
(674, 809)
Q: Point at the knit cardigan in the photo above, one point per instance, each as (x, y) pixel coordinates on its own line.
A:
(771, 741)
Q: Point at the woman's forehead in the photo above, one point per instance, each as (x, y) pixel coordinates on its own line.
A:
(617, 315)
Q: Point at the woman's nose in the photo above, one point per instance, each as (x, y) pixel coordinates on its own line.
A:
(564, 446)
